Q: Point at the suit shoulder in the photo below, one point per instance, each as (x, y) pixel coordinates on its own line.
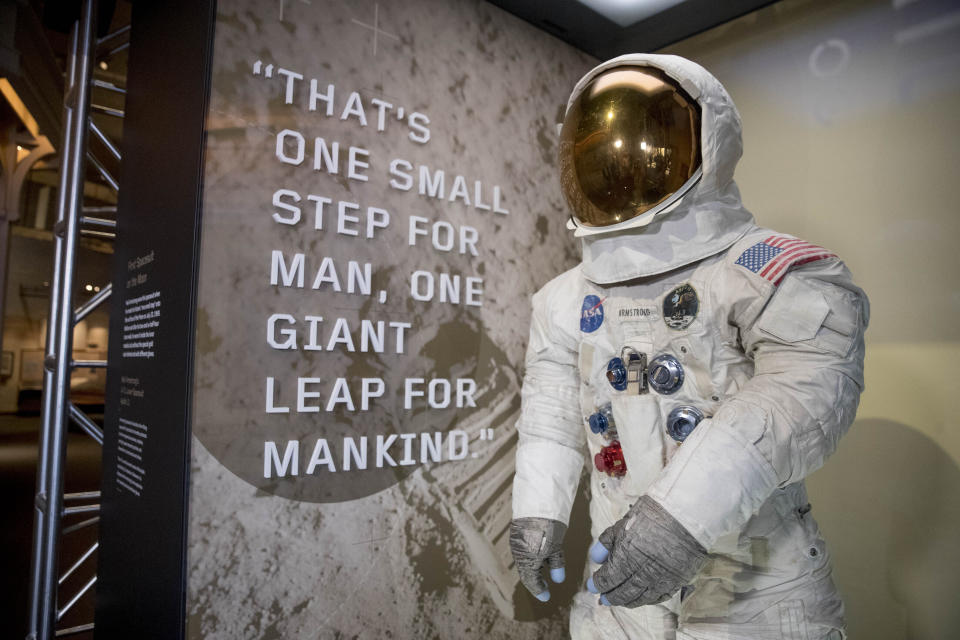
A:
(565, 284)
(556, 307)
(765, 257)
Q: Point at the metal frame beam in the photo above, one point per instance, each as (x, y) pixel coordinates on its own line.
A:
(58, 365)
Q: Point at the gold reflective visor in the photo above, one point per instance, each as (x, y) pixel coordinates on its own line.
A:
(629, 141)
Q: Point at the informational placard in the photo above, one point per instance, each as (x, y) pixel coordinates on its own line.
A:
(380, 201)
(141, 567)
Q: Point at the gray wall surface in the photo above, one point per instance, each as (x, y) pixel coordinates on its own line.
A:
(850, 127)
(405, 551)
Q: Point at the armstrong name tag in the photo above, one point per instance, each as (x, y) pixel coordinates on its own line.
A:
(634, 317)
(626, 313)
(627, 308)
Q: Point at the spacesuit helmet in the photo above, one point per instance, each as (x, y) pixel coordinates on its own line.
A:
(630, 148)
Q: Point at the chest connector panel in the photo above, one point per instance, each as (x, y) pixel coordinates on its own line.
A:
(628, 371)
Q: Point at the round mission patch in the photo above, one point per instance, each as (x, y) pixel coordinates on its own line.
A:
(680, 307)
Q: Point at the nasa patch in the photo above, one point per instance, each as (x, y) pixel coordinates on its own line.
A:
(591, 314)
(680, 307)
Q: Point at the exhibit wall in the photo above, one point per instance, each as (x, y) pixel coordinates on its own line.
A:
(380, 201)
(25, 324)
(850, 127)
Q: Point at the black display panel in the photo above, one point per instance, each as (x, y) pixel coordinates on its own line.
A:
(142, 560)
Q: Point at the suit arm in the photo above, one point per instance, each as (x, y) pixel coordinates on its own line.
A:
(551, 437)
(806, 340)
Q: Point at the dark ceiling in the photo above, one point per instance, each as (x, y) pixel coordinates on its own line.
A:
(590, 32)
(33, 59)
(37, 45)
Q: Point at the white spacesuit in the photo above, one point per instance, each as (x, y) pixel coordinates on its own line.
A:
(719, 363)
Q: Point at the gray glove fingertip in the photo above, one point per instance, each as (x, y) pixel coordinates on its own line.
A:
(608, 537)
(599, 553)
(535, 584)
(556, 565)
(555, 560)
(601, 578)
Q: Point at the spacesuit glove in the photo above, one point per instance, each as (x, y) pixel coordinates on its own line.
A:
(651, 557)
(535, 542)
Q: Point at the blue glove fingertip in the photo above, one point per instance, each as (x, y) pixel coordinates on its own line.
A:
(599, 553)
(604, 601)
(543, 597)
(591, 587)
(558, 575)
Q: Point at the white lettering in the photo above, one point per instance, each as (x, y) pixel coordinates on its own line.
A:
(355, 164)
(290, 335)
(496, 201)
(439, 400)
(321, 455)
(443, 236)
(291, 77)
(299, 143)
(318, 212)
(457, 436)
(280, 272)
(466, 387)
(271, 459)
(409, 393)
(303, 395)
(439, 392)
(417, 285)
(398, 169)
(340, 335)
(316, 96)
(294, 211)
(428, 187)
(383, 444)
(382, 108)
(312, 344)
(326, 157)
(407, 458)
(459, 190)
(271, 407)
(430, 447)
(357, 454)
(354, 107)
(327, 273)
(477, 193)
(474, 292)
(371, 388)
(418, 122)
(343, 218)
(377, 218)
(340, 395)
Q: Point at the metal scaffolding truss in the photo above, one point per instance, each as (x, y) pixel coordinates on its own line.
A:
(52, 507)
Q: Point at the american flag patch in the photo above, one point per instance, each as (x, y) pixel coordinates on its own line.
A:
(773, 257)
